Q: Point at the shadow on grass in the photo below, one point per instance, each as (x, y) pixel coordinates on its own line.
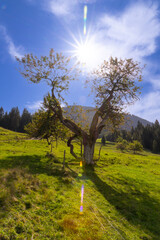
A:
(134, 204)
(36, 164)
(137, 153)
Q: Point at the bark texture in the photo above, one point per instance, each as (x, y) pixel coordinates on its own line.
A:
(89, 153)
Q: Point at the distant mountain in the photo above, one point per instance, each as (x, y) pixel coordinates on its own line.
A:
(130, 120)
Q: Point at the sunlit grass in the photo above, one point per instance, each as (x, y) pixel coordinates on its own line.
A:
(38, 200)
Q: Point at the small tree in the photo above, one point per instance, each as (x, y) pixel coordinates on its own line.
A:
(45, 125)
(121, 144)
(113, 85)
(136, 146)
(103, 140)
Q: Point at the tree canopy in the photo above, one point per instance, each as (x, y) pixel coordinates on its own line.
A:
(114, 85)
(46, 125)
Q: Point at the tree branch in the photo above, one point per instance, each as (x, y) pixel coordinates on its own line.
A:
(67, 122)
(71, 145)
(99, 113)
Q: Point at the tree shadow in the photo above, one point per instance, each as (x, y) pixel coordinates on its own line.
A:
(36, 164)
(137, 153)
(134, 204)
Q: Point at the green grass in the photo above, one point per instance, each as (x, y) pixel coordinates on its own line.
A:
(38, 200)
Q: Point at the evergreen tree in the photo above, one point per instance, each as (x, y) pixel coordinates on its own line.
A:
(5, 123)
(103, 140)
(155, 148)
(147, 137)
(1, 116)
(14, 119)
(138, 132)
(25, 119)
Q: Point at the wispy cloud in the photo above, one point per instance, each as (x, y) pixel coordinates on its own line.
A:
(64, 8)
(33, 106)
(148, 107)
(13, 50)
(154, 81)
(131, 34)
(60, 7)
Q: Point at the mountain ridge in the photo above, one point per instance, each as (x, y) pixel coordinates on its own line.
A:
(130, 120)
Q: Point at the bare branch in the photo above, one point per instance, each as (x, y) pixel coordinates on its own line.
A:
(71, 145)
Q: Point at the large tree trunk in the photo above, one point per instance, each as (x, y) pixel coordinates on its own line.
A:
(89, 153)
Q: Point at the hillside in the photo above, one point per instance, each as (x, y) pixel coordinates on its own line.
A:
(38, 200)
(130, 120)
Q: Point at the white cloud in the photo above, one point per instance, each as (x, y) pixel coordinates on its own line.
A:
(64, 7)
(12, 49)
(61, 7)
(155, 81)
(131, 35)
(88, 1)
(148, 107)
(34, 105)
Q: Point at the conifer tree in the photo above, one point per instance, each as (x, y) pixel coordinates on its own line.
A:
(103, 140)
(155, 148)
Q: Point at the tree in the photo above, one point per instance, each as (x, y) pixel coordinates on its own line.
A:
(113, 86)
(14, 119)
(78, 114)
(103, 140)
(5, 120)
(25, 119)
(1, 116)
(155, 148)
(147, 137)
(112, 136)
(138, 132)
(46, 125)
(136, 146)
(121, 144)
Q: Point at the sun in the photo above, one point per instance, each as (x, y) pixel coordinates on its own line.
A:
(86, 53)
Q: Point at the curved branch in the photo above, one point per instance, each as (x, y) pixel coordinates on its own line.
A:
(99, 113)
(102, 109)
(74, 128)
(71, 145)
(67, 122)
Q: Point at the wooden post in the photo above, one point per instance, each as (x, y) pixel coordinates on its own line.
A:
(64, 160)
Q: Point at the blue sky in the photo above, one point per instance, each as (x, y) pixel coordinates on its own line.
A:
(126, 29)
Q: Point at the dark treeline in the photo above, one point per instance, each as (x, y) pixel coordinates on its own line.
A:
(148, 136)
(13, 120)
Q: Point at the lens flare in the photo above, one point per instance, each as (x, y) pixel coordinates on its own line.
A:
(85, 20)
(82, 193)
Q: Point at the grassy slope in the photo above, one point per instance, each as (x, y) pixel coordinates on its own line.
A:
(39, 201)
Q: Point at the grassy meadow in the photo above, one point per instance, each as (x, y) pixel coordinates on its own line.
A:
(38, 200)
